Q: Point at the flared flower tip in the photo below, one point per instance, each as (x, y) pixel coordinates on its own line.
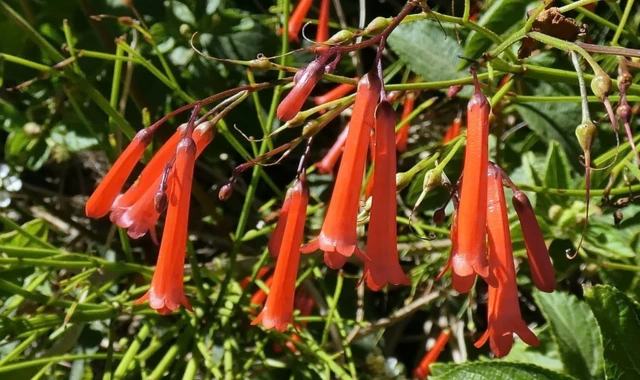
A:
(100, 202)
(165, 305)
(270, 320)
(542, 272)
(501, 337)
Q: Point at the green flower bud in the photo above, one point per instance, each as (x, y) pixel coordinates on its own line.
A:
(586, 134)
(601, 85)
(377, 25)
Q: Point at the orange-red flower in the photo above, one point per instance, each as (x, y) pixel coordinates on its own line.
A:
(335, 94)
(136, 210)
(383, 266)
(304, 82)
(542, 273)
(461, 284)
(166, 292)
(297, 18)
(338, 237)
(275, 241)
(278, 310)
(454, 130)
(326, 165)
(422, 371)
(102, 198)
(322, 34)
(471, 257)
(403, 133)
(504, 318)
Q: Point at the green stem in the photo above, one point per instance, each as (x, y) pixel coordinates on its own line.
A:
(623, 22)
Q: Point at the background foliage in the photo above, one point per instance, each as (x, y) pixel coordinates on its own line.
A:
(67, 283)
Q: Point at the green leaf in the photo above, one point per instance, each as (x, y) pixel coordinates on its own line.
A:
(501, 15)
(554, 121)
(37, 228)
(182, 12)
(575, 330)
(427, 50)
(497, 370)
(558, 169)
(619, 319)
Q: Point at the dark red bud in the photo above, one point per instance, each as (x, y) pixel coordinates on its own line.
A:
(225, 192)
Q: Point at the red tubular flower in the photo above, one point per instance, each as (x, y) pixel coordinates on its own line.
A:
(472, 215)
(323, 26)
(422, 371)
(142, 215)
(454, 130)
(305, 304)
(275, 241)
(326, 165)
(305, 80)
(461, 284)
(278, 310)
(382, 249)
(297, 18)
(338, 237)
(403, 133)
(504, 316)
(261, 273)
(542, 273)
(166, 292)
(102, 198)
(335, 94)
(260, 295)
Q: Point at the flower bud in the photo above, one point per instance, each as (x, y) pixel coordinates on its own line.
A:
(340, 37)
(261, 63)
(402, 180)
(377, 25)
(624, 112)
(586, 134)
(601, 85)
(310, 129)
(432, 179)
(453, 91)
(225, 192)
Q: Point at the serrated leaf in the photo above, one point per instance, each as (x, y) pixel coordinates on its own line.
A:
(576, 332)
(497, 370)
(619, 319)
(545, 355)
(558, 169)
(427, 50)
(501, 15)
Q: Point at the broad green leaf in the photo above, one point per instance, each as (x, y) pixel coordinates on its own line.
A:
(558, 169)
(619, 319)
(553, 121)
(427, 50)
(501, 15)
(497, 370)
(545, 355)
(576, 332)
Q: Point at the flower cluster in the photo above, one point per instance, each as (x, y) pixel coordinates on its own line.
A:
(481, 216)
(481, 241)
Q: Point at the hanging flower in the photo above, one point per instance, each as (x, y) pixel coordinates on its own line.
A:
(323, 26)
(338, 238)
(102, 198)
(542, 273)
(383, 267)
(403, 134)
(326, 165)
(461, 284)
(137, 210)
(504, 316)
(278, 310)
(423, 370)
(297, 19)
(454, 130)
(166, 292)
(471, 257)
(304, 82)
